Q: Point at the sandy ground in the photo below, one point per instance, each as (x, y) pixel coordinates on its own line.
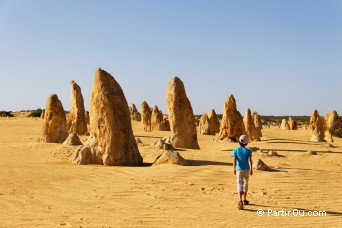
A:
(40, 188)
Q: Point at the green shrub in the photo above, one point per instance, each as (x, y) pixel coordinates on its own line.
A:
(6, 114)
(35, 113)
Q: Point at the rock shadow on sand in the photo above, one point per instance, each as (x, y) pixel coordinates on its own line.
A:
(207, 163)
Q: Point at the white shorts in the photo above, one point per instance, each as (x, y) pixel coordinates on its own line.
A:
(242, 177)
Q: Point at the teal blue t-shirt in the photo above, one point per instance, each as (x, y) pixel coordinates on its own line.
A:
(242, 154)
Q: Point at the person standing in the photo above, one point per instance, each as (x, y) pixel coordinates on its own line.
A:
(242, 169)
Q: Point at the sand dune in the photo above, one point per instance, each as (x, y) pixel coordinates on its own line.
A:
(40, 188)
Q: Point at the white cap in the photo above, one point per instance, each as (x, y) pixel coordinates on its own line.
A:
(244, 139)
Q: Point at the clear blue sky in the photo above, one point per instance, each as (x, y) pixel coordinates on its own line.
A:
(280, 57)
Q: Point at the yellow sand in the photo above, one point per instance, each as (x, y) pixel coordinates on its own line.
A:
(40, 188)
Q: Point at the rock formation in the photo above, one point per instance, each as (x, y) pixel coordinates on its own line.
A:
(214, 122)
(249, 126)
(72, 140)
(170, 157)
(204, 127)
(331, 122)
(181, 116)
(164, 143)
(257, 124)
(260, 165)
(165, 124)
(316, 127)
(272, 153)
(54, 126)
(111, 141)
(77, 123)
(284, 125)
(138, 140)
(292, 124)
(232, 126)
(42, 114)
(135, 115)
(310, 152)
(156, 119)
(87, 117)
(146, 116)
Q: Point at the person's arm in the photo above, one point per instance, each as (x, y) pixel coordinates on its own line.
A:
(234, 165)
(251, 165)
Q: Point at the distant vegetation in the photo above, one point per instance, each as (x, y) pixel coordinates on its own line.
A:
(35, 113)
(6, 114)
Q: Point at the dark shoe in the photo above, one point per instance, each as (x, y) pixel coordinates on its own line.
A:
(245, 202)
(240, 205)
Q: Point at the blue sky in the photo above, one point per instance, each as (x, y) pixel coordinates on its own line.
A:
(275, 57)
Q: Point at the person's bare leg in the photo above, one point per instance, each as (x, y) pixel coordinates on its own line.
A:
(245, 196)
(240, 195)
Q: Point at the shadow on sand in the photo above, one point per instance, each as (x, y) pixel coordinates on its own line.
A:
(194, 163)
(146, 136)
(205, 163)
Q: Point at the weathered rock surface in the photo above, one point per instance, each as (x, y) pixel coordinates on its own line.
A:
(164, 143)
(146, 116)
(138, 141)
(42, 114)
(331, 122)
(156, 119)
(232, 125)
(204, 128)
(292, 124)
(111, 141)
(170, 157)
(272, 153)
(317, 127)
(87, 117)
(83, 156)
(165, 124)
(73, 140)
(214, 122)
(310, 152)
(181, 116)
(77, 123)
(209, 124)
(135, 115)
(249, 126)
(54, 126)
(284, 125)
(260, 165)
(257, 124)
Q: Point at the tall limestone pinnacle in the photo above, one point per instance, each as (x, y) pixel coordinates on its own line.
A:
(232, 126)
(77, 123)
(181, 116)
(111, 141)
(54, 126)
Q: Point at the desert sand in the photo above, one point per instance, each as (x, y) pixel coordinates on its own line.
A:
(40, 188)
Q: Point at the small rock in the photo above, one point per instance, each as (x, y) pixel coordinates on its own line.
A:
(260, 165)
(170, 157)
(310, 152)
(73, 140)
(138, 141)
(272, 153)
(163, 143)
